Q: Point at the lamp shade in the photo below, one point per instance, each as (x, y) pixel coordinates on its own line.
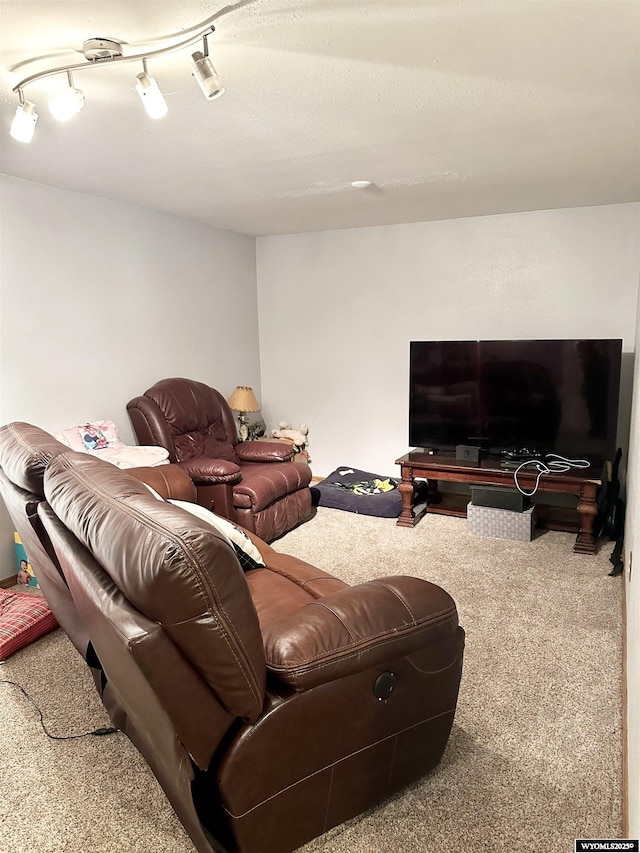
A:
(243, 400)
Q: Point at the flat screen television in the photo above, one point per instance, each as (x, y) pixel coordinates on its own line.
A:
(520, 398)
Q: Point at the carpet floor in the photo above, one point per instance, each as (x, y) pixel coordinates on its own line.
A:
(535, 754)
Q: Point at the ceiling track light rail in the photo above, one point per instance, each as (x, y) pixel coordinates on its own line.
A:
(100, 52)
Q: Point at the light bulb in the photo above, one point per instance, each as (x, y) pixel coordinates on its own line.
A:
(65, 105)
(206, 75)
(151, 96)
(24, 122)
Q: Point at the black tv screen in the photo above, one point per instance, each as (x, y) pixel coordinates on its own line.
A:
(527, 397)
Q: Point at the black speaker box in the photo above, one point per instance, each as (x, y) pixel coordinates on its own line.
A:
(498, 498)
(468, 452)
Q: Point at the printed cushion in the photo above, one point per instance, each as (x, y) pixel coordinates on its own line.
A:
(102, 439)
(247, 553)
(91, 436)
(358, 491)
(24, 617)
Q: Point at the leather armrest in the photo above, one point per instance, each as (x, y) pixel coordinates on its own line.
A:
(202, 469)
(170, 481)
(265, 451)
(356, 628)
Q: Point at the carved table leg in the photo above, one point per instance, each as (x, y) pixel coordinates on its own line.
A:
(407, 518)
(587, 511)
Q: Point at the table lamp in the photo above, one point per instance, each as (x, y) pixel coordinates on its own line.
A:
(243, 400)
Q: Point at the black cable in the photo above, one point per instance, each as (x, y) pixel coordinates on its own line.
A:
(101, 732)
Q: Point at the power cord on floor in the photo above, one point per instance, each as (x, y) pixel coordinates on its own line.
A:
(556, 465)
(101, 732)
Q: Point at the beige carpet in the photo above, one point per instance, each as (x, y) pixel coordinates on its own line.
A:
(534, 758)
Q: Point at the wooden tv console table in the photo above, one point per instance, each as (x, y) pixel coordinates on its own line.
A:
(581, 483)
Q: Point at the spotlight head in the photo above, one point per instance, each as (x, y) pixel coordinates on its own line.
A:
(24, 122)
(65, 105)
(208, 80)
(151, 96)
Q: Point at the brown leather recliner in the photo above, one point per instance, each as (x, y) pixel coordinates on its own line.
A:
(271, 704)
(254, 483)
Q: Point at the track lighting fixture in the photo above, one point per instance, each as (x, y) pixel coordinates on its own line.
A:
(69, 102)
(104, 51)
(150, 94)
(205, 73)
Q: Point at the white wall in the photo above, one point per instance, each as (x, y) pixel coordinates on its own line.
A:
(101, 299)
(632, 547)
(337, 310)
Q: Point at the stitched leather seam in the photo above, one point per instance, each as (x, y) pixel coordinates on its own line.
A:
(335, 763)
(39, 455)
(314, 580)
(297, 581)
(338, 617)
(420, 623)
(398, 596)
(165, 481)
(434, 671)
(398, 635)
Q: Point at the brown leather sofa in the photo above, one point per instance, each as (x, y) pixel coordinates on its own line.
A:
(254, 483)
(25, 452)
(271, 704)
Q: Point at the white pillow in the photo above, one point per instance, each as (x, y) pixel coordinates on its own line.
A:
(246, 551)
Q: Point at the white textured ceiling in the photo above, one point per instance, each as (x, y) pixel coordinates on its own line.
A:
(450, 108)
